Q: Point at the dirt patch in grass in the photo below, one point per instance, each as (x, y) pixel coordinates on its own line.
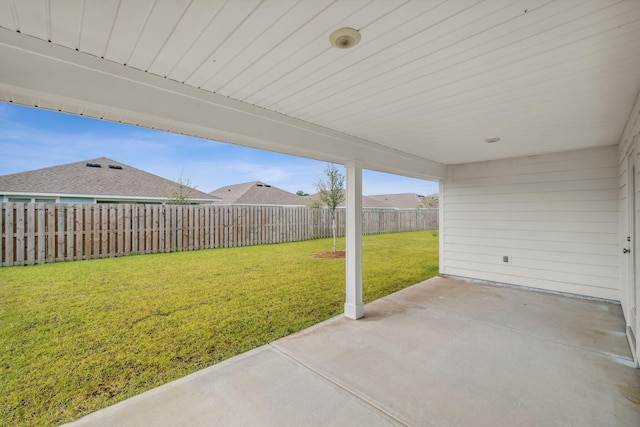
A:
(336, 254)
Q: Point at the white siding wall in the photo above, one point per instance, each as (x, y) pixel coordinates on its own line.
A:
(555, 216)
(628, 146)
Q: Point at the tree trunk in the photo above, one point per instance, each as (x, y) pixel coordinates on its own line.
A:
(333, 226)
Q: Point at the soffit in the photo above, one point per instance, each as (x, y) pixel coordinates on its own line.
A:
(429, 78)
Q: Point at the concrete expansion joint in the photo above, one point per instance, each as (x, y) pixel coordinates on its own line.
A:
(366, 400)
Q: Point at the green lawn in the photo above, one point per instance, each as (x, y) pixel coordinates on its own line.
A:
(79, 336)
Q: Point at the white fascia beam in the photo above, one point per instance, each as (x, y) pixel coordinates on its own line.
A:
(49, 74)
(353, 307)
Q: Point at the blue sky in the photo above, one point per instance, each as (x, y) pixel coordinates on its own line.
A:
(32, 138)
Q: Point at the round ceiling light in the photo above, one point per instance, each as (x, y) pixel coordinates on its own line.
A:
(491, 140)
(344, 38)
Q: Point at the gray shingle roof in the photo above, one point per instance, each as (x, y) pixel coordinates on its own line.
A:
(112, 179)
(257, 193)
(400, 200)
(371, 202)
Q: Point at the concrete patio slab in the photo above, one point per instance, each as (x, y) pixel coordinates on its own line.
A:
(260, 387)
(444, 352)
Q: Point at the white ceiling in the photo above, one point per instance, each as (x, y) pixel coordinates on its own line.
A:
(430, 78)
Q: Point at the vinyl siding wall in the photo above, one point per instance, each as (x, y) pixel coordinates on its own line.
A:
(628, 153)
(555, 216)
(77, 199)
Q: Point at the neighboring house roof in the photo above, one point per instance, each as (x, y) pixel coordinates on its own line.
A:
(367, 202)
(401, 200)
(257, 193)
(398, 201)
(111, 179)
(372, 202)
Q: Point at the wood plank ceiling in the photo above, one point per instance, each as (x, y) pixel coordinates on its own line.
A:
(432, 78)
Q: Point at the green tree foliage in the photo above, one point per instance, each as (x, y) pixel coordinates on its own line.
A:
(428, 202)
(331, 193)
(180, 193)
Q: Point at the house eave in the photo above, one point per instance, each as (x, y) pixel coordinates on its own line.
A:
(101, 197)
(34, 72)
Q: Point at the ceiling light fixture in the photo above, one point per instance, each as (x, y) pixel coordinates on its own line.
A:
(344, 38)
(491, 140)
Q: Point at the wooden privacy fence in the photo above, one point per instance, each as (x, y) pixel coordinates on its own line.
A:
(38, 233)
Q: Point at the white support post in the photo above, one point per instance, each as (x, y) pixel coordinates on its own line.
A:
(353, 308)
(441, 233)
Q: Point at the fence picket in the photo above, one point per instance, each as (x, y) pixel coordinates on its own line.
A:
(9, 234)
(38, 233)
(95, 232)
(162, 223)
(86, 231)
(2, 233)
(31, 234)
(155, 226)
(103, 232)
(41, 238)
(119, 230)
(78, 231)
(20, 234)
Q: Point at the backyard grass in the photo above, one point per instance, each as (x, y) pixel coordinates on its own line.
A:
(79, 336)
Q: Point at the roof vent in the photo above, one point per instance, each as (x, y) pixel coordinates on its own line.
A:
(115, 167)
(267, 185)
(259, 185)
(93, 165)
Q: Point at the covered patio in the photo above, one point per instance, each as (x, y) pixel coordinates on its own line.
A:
(444, 352)
(527, 114)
